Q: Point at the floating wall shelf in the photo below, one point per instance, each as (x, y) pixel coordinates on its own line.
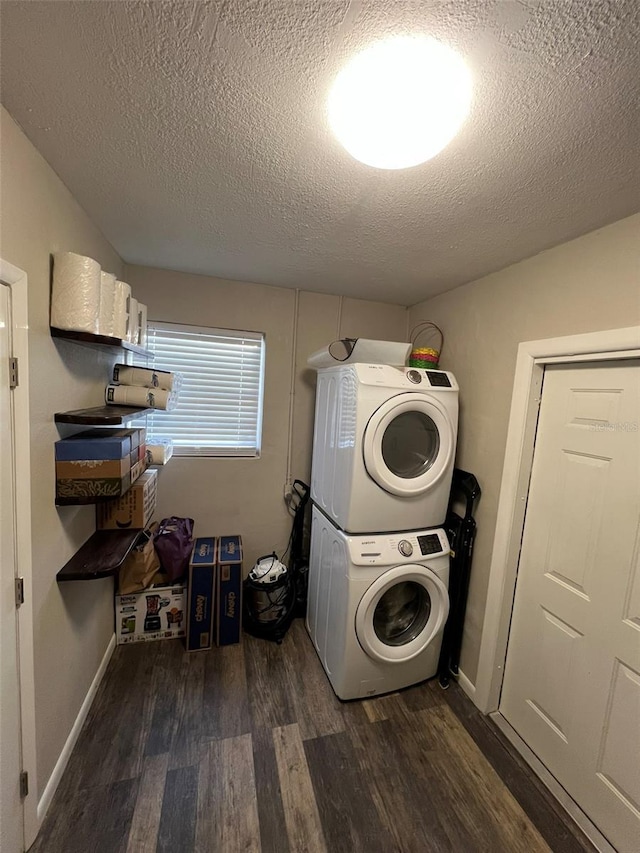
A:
(100, 341)
(100, 557)
(101, 415)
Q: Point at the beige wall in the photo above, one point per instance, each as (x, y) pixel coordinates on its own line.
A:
(73, 622)
(246, 495)
(589, 284)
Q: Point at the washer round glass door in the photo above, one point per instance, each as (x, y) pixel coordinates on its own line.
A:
(401, 612)
(408, 444)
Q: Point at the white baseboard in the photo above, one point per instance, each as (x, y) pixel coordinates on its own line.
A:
(466, 685)
(67, 749)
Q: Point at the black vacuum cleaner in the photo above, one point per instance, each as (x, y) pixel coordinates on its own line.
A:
(274, 594)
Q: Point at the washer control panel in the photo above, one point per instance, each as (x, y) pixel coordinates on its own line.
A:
(405, 547)
(414, 376)
(389, 549)
(429, 544)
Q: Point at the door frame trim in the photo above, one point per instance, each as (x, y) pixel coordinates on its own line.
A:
(17, 281)
(527, 384)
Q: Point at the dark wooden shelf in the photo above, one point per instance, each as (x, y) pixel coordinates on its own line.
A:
(101, 415)
(101, 341)
(100, 556)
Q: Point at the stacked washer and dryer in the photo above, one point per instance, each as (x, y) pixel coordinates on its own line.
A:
(383, 457)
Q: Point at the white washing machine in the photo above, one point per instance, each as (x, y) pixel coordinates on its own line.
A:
(377, 606)
(384, 446)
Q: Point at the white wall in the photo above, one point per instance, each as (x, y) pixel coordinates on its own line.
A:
(588, 284)
(246, 495)
(73, 622)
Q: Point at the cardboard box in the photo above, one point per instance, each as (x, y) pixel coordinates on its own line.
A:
(200, 609)
(229, 590)
(138, 469)
(156, 613)
(95, 444)
(133, 510)
(138, 453)
(96, 487)
(138, 437)
(93, 469)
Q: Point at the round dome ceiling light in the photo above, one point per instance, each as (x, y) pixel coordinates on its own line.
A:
(399, 102)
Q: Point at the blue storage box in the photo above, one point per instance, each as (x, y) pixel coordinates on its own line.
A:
(200, 609)
(97, 444)
(229, 590)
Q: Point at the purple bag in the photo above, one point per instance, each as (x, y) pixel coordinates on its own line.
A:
(173, 542)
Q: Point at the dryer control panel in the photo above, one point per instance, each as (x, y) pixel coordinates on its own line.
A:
(392, 549)
(402, 378)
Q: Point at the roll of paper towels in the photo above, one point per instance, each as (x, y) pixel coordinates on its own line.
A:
(132, 328)
(160, 451)
(134, 395)
(121, 310)
(362, 351)
(107, 304)
(75, 295)
(146, 377)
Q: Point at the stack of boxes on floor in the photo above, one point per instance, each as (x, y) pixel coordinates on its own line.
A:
(215, 592)
(210, 596)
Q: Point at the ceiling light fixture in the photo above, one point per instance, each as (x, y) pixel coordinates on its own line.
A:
(399, 102)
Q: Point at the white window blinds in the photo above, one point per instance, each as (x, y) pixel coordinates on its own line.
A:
(219, 411)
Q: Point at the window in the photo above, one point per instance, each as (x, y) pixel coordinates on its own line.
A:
(219, 411)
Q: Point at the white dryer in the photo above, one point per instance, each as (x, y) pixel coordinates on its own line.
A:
(384, 446)
(376, 606)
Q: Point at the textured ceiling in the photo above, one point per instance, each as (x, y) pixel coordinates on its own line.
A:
(194, 134)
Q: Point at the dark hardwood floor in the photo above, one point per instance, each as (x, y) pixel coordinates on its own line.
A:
(246, 748)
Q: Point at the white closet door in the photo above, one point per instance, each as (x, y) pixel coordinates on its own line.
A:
(572, 677)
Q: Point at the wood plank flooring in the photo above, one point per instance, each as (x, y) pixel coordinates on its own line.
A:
(245, 749)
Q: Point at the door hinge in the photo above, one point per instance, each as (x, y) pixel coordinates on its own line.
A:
(13, 372)
(19, 591)
(24, 784)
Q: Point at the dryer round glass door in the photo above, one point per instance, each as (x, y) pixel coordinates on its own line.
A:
(408, 444)
(401, 612)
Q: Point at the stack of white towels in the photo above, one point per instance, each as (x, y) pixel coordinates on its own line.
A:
(143, 386)
(86, 298)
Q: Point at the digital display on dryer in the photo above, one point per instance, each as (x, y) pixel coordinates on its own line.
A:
(429, 544)
(439, 379)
